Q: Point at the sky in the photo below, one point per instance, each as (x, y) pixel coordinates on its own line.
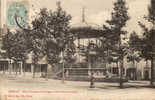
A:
(98, 11)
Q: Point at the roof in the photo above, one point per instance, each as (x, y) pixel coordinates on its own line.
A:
(87, 30)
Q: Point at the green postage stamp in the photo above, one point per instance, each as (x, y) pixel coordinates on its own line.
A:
(17, 11)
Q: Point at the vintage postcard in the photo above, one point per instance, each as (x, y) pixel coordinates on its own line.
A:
(77, 50)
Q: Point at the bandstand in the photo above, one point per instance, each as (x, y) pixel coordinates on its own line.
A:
(87, 41)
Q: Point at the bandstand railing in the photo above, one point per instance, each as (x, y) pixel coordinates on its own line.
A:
(85, 71)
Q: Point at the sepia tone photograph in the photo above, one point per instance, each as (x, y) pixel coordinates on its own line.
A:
(77, 49)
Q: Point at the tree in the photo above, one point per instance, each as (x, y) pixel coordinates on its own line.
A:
(61, 35)
(70, 53)
(29, 41)
(105, 49)
(7, 46)
(116, 29)
(53, 36)
(15, 46)
(38, 38)
(134, 50)
(148, 39)
(49, 36)
(20, 48)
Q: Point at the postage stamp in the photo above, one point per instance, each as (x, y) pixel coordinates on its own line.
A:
(17, 11)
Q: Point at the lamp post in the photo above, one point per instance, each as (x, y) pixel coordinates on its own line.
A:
(62, 46)
(92, 52)
(63, 68)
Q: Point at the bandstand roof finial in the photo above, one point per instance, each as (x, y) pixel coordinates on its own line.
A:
(83, 14)
(58, 3)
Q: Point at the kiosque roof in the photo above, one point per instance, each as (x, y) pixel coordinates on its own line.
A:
(87, 30)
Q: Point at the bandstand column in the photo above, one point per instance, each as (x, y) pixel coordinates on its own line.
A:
(79, 49)
(153, 67)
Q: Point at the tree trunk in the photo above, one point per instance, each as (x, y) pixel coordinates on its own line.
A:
(40, 70)
(152, 72)
(121, 74)
(47, 73)
(136, 77)
(4, 69)
(23, 65)
(134, 73)
(10, 67)
(33, 65)
(63, 65)
(20, 68)
(15, 68)
(121, 63)
(118, 68)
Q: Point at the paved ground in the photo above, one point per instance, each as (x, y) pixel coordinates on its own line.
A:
(26, 88)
